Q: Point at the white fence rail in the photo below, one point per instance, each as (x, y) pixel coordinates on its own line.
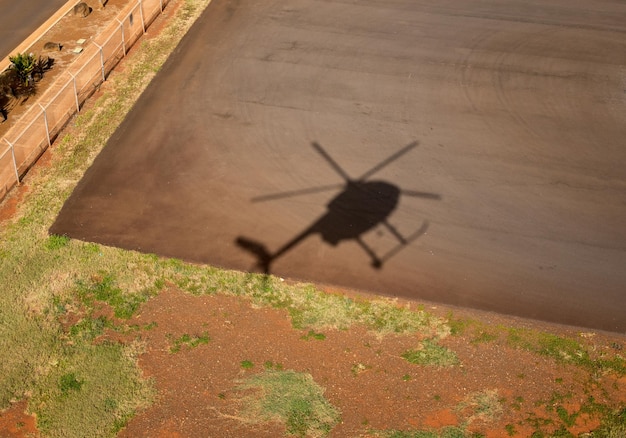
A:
(24, 143)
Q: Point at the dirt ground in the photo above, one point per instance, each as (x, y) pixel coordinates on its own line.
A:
(363, 375)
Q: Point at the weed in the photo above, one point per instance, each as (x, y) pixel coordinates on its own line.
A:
(110, 405)
(247, 364)
(483, 405)
(93, 248)
(616, 364)
(562, 349)
(292, 398)
(69, 382)
(458, 326)
(561, 432)
(613, 425)
(59, 305)
(189, 341)
(536, 422)
(386, 317)
(150, 326)
(90, 328)
(568, 419)
(444, 432)
(313, 335)
(90, 390)
(484, 337)
(557, 398)
(102, 287)
(510, 430)
(517, 403)
(269, 365)
(313, 309)
(359, 368)
(432, 354)
(55, 242)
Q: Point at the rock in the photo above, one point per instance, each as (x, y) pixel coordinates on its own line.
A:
(82, 9)
(52, 46)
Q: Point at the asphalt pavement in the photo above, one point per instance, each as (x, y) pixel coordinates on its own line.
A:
(467, 152)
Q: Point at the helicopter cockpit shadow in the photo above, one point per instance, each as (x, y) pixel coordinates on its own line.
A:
(362, 205)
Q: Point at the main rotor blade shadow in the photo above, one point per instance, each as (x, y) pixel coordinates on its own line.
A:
(426, 195)
(332, 162)
(388, 161)
(292, 193)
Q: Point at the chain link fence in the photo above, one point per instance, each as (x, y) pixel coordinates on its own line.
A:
(24, 143)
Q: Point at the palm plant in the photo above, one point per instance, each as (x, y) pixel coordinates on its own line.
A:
(23, 64)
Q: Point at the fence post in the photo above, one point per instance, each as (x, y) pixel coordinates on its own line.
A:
(17, 175)
(75, 91)
(123, 40)
(45, 121)
(143, 23)
(101, 60)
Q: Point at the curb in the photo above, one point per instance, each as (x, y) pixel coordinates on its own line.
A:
(34, 37)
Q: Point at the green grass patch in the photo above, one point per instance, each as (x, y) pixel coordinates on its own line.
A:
(291, 398)
(483, 405)
(431, 354)
(613, 425)
(189, 341)
(246, 364)
(510, 430)
(359, 368)
(93, 391)
(103, 288)
(69, 382)
(150, 326)
(568, 419)
(458, 326)
(312, 334)
(269, 365)
(310, 308)
(444, 432)
(55, 242)
(484, 337)
(89, 328)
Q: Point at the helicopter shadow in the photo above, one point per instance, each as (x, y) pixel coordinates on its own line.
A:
(361, 205)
